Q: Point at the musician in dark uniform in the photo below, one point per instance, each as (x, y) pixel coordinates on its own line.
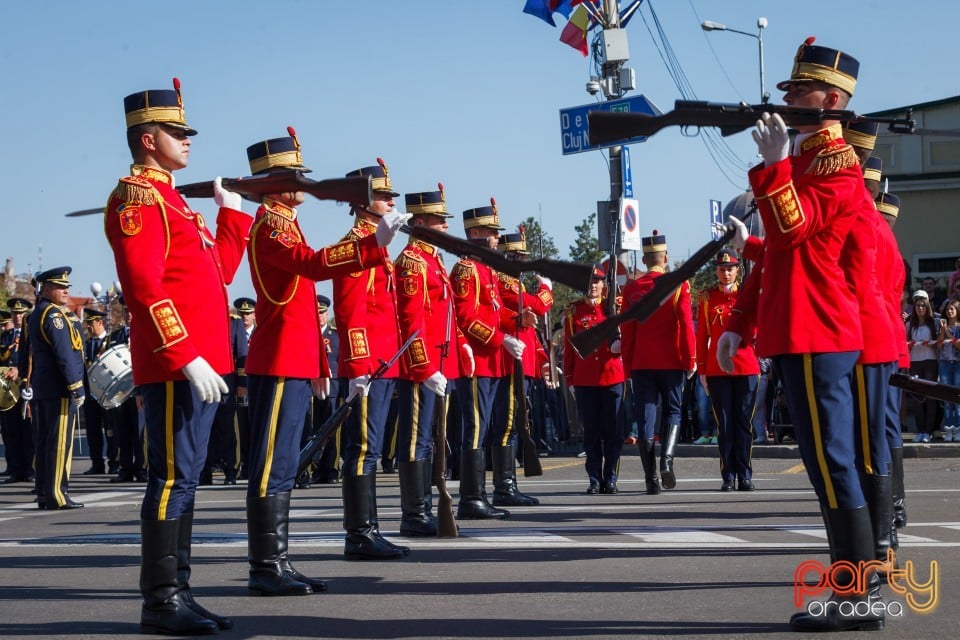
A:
(328, 468)
(56, 387)
(245, 308)
(94, 416)
(124, 420)
(285, 362)
(659, 352)
(15, 422)
(597, 383)
(174, 273)
(487, 325)
(807, 311)
(733, 396)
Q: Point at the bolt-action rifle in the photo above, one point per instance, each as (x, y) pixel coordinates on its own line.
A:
(446, 523)
(608, 126)
(935, 390)
(310, 453)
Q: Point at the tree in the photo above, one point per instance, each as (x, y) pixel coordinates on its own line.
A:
(586, 246)
(540, 245)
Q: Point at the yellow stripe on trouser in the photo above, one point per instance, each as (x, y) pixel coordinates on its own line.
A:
(415, 420)
(59, 460)
(511, 412)
(815, 427)
(364, 436)
(168, 446)
(271, 436)
(475, 389)
(864, 419)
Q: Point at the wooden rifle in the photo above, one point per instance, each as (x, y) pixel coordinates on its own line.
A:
(606, 127)
(446, 523)
(310, 453)
(928, 388)
(354, 189)
(521, 412)
(589, 340)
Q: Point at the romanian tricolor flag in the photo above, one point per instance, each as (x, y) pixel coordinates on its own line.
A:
(575, 33)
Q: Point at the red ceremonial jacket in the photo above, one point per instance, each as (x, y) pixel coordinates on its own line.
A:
(284, 268)
(601, 368)
(482, 317)
(174, 274)
(802, 302)
(425, 303)
(534, 354)
(713, 314)
(365, 306)
(891, 274)
(665, 340)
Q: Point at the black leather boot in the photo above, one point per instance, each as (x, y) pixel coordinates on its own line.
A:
(415, 523)
(648, 458)
(163, 610)
(363, 541)
(317, 586)
(473, 503)
(267, 521)
(851, 537)
(668, 446)
(184, 539)
(375, 518)
(428, 491)
(505, 491)
(899, 494)
(878, 490)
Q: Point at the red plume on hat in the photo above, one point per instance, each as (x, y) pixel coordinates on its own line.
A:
(440, 187)
(176, 87)
(293, 134)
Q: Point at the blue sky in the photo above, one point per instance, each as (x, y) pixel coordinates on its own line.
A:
(464, 93)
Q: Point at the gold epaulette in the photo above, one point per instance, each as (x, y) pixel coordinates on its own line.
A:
(278, 216)
(132, 189)
(833, 160)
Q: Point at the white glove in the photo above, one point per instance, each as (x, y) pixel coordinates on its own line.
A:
(26, 394)
(513, 346)
(545, 281)
(359, 385)
(473, 363)
(436, 383)
(739, 239)
(690, 372)
(78, 402)
(572, 390)
(772, 139)
(615, 347)
(389, 226)
(224, 198)
(206, 382)
(727, 347)
(321, 387)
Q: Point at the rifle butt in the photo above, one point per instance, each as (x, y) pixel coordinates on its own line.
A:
(587, 341)
(576, 275)
(605, 127)
(355, 190)
(531, 459)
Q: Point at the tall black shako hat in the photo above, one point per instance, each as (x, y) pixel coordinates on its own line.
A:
(823, 64)
(485, 217)
(379, 178)
(861, 134)
(161, 106)
(276, 154)
(654, 243)
(514, 242)
(888, 203)
(59, 276)
(872, 169)
(425, 203)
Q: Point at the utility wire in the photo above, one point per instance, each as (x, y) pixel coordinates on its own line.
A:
(709, 42)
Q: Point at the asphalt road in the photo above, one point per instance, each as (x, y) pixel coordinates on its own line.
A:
(692, 562)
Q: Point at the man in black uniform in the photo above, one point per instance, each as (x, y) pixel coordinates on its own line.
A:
(222, 450)
(245, 309)
(94, 417)
(125, 420)
(55, 384)
(328, 469)
(15, 422)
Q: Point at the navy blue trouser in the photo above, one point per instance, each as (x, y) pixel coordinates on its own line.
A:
(599, 408)
(820, 392)
(893, 431)
(417, 407)
(870, 384)
(56, 422)
(177, 426)
(362, 433)
(733, 400)
(278, 409)
(649, 385)
(476, 397)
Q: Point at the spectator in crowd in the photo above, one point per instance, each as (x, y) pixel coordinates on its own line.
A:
(936, 299)
(954, 280)
(949, 339)
(953, 295)
(921, 331)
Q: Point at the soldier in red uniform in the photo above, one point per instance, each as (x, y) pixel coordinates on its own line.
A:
(660, 354)
(366, 310)
(285, 361)
(807, 314)
(597, 383)
(486, 324)
(437, 355)
(174, 273)
(733, 396)
(513, 293)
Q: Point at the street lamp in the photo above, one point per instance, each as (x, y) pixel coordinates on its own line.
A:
(709, 25)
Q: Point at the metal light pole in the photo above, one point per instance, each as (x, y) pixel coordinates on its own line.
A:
(709, 25)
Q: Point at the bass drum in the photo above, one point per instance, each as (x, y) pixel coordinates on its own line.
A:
(111, 377)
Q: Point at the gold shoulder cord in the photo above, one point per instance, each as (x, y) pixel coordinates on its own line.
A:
(256, 268)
